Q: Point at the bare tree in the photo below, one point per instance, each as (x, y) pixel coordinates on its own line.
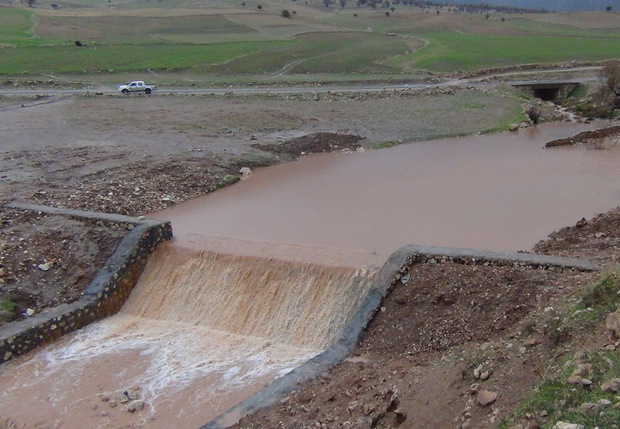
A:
(611, 72)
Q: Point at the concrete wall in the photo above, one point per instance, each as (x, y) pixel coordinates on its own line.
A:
(393, 271)
(103, 297)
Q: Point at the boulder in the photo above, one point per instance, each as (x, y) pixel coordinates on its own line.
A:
(486, 397)
(612, 385)
(563, 425)
(613, 323)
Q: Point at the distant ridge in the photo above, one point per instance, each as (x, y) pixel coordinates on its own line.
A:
(551, 5)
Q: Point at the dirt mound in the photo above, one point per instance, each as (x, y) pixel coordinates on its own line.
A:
(597, 240)
(597, 139)
(313, 143)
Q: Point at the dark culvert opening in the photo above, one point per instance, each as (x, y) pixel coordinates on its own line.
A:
(546, 94)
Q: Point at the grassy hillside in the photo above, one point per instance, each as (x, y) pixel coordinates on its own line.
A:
(226, 38)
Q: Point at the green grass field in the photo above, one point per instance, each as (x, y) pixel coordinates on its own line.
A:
(451, 51)
(223, 38)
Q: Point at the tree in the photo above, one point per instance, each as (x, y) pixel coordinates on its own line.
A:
(31, 3)
(285, 13)
(343, 3)
(611, 73)
(259, 7)
(327, 2)
(387, 14)
(608, 8)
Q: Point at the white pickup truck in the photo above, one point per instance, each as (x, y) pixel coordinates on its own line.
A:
(137, 86)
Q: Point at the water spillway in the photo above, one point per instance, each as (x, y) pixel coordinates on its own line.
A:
(202, 331)
(296, 303)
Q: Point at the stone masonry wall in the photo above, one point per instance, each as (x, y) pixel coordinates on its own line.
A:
(103, 297)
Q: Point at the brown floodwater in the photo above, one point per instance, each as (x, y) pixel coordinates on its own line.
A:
(264, 274)
(497, 191)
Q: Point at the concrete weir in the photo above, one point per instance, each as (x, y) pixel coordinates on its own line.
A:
(113, 285)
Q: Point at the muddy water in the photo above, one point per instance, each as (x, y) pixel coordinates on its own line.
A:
(499, 192)
(201, 332)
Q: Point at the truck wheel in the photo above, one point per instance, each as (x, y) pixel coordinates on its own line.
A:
(125, 91)
(147, 90)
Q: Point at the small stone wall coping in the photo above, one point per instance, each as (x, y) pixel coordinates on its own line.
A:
(397, 266)
(103, 297)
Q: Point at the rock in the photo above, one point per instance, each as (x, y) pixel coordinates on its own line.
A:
(477, 372)
(612, 386)
(586, 383)
(612, 322)
(589, 408)
(136, 406)
(581, 223)
(46, 266)
(485, 375)
(246, 171)
(513, 127)
(29, 312)
(532, 342)
(486, 397)
(563, 425)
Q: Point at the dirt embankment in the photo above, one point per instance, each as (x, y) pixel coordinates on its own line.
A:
(604, 138)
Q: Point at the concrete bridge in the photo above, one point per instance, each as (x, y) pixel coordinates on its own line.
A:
(548, 90)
